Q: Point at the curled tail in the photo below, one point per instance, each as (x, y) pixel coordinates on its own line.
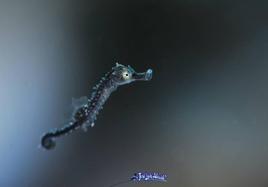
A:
(48, 139)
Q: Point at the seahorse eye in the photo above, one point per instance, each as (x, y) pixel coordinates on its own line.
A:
(126, 75)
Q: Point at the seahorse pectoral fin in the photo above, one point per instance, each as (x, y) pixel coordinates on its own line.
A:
(72, 108)
(77, 102)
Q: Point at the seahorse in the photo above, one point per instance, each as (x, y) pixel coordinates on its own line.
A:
(85, 115)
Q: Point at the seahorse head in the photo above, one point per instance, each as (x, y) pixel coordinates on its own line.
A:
(126, 74)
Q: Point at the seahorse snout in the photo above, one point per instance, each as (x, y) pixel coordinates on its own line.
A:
(149, 74)
(146, 76)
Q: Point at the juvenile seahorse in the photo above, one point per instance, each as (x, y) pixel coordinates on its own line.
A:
(85, 115)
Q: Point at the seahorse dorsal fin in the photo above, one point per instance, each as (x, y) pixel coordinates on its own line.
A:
(72, 108)
(77, 102)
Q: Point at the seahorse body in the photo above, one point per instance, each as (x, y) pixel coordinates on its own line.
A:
(86, 114)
